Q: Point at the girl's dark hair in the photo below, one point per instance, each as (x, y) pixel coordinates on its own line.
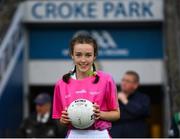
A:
(82, 38)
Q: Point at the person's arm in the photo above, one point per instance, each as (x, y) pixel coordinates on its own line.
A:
(113, 112)
(106, 115)
(137, 107)
(58, 112)
(125, 115)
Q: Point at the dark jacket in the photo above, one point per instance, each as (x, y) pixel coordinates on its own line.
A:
(132, 117)
(30, 128)
(174, 131)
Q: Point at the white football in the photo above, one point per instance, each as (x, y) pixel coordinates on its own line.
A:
(81, 113)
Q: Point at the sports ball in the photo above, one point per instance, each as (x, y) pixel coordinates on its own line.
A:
(81, 113)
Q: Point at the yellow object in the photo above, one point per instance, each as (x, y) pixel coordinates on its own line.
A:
(155, 131)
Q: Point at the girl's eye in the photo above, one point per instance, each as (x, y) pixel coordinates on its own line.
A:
(78, 54)
(88, 55)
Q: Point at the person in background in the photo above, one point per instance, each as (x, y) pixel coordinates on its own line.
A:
(41, 124)
(135, 108)
(174, 130)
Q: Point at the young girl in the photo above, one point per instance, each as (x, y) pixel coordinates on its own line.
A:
(86, 83)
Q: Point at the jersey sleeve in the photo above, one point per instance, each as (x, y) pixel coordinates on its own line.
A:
(57, 105)
(111, 95)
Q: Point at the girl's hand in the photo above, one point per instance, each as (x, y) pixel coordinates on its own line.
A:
(97, 112)
(64, 118)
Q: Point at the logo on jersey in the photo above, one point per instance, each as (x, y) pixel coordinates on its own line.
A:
(81, 91)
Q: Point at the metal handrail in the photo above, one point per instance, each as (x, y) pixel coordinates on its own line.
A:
(10, 48)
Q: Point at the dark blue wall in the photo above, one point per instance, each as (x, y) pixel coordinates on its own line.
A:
(140, 42)
(11, 102)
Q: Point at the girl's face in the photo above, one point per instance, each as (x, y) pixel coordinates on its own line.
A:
(83, 57)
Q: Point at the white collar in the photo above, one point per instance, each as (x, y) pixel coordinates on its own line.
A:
(44, 118)
(73, 76)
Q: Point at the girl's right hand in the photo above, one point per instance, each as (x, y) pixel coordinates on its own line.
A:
(64, 118)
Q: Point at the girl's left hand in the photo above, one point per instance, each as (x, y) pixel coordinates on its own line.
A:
(97, 112)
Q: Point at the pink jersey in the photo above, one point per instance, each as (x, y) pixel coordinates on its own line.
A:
(103, 93)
